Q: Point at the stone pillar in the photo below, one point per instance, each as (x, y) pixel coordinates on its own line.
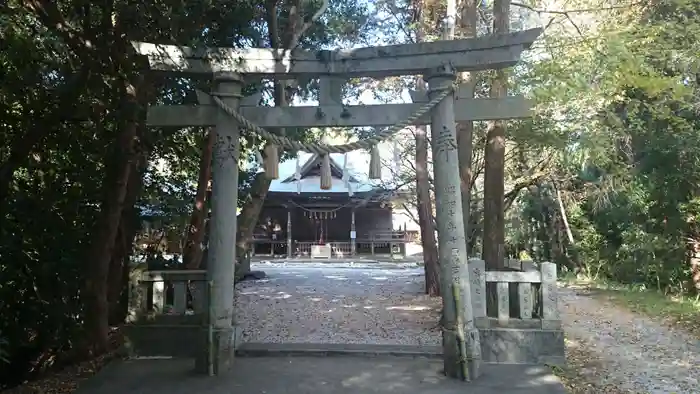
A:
(218, 354)
(451, 238)
(353, 234)
(289, 233)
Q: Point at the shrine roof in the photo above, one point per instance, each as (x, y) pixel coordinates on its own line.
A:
(311, 183)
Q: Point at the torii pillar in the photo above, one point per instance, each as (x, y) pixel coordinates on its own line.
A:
(219, 350)
(452, 247)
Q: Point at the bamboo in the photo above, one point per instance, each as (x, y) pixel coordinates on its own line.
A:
(461, 340)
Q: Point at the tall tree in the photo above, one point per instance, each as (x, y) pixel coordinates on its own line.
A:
(494, 156)
(465, 130)
(192, 256)
(423, 200)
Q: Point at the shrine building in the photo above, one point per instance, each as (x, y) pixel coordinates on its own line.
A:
(351, 218)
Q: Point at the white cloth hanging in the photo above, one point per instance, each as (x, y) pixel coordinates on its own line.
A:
(297, 175)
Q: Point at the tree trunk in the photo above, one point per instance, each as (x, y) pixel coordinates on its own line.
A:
(100, 253)
(192, 256)
(431, 264)
(295, 28)
(248, 219)
(494, 157)
(565, 220)
(465, 130)
(117, 294)
(693, 251)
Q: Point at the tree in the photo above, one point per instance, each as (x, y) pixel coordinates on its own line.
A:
(494, 156)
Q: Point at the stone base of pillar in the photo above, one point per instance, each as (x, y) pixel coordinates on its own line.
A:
(216, 357)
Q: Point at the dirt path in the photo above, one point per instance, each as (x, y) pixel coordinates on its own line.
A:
(630, 351)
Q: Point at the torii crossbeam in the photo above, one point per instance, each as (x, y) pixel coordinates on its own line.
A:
(487, 52)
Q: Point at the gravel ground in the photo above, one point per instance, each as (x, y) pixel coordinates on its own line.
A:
(631, 352)
(613, 350)
(332, 303)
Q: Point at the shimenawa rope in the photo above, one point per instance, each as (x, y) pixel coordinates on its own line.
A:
(322, 149)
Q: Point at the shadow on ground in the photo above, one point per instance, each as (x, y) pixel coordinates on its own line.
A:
(317, 375)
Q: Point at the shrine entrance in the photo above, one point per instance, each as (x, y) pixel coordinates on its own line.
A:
(210, 327)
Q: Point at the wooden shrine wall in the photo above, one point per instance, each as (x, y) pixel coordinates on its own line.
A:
(373, 220)
(367, 221)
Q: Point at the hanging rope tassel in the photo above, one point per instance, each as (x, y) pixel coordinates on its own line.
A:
(297, 175)
(271, 164)
(326, 177)
(375, 163)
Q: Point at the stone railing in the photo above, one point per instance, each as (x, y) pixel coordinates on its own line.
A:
(524, 325)
(169, 313)
(169, 292)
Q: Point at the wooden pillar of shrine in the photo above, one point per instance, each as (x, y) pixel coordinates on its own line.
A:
(289, 233)
(353, 234)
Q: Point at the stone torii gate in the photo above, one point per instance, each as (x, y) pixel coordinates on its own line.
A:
(228, 111)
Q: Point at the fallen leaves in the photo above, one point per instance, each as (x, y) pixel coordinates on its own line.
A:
(582, 372)
(69, 379)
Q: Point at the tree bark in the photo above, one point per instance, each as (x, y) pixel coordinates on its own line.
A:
(465, 130)
(248, 219)
(100, 254)
(494, 157)
(431, 264)
(427, 229)
(192, 256)
(117, 294)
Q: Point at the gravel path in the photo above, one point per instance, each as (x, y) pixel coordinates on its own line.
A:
(372, 303)
(634, 352)
(331, 303)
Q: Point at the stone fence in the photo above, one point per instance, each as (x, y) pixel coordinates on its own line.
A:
(169, 315)
(517, 312)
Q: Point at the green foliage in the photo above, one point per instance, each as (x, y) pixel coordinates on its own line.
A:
(62, 109)
(629, 168)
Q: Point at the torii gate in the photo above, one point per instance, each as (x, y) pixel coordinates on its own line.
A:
(438, 61)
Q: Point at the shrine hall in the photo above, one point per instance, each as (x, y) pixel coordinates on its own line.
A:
(351, 218)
